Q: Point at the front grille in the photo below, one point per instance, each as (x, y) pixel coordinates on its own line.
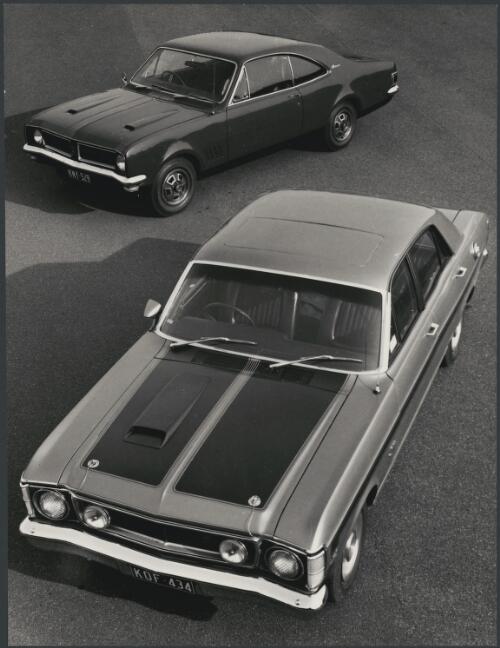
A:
(169, 537)
(58, 144)
(95, 155)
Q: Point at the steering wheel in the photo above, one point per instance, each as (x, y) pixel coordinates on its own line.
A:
(172, 77)
(234, 309)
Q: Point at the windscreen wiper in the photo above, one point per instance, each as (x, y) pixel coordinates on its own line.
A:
(225, 340)
(321, 358)
(157, 86)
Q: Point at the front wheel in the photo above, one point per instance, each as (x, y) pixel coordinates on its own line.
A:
(341, 126)
(453, 346)
(349, 553)
(173, 187)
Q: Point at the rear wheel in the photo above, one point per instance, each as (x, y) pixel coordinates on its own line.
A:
(346, 565)
(341, 126)
(453, 346)
(173, 187)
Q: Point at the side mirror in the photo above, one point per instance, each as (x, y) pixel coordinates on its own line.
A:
(152, 308)
(124, 78)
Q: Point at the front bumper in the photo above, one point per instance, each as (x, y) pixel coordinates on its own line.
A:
(100, 548)
(130, 184)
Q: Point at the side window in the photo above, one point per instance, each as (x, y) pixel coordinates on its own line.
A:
(269, 74)
(404, 304)
(242, 91)
(304, 70)
(426, 262)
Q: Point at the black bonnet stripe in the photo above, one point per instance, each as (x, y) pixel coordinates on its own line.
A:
(261, 432)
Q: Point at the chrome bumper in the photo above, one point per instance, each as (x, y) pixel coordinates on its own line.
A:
(393, 89)
(83, 166)
(123, 554)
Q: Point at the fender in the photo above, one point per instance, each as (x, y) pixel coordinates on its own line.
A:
(181, 148)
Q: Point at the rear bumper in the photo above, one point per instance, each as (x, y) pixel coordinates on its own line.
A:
(119, 556)
(393, 89)
(131, 184)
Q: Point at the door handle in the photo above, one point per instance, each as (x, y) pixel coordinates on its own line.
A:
(433, 329)
(461, 272)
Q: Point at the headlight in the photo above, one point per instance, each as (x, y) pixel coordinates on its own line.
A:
(96, 517)
(51, 504)
(233, 551)
(38, 138)
(120, 163)
(285, 564)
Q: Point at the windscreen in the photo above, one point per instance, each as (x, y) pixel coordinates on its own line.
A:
(285, 317)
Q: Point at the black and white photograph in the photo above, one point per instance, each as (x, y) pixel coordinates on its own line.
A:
(250, 299)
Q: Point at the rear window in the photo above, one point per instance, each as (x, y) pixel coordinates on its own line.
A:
(304, 70)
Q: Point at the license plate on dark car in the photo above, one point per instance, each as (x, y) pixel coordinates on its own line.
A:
(79, 176)
(173, 582)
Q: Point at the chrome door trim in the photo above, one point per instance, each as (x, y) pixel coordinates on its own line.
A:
(327, 71)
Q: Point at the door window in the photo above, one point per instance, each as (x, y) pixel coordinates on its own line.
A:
(404, 304)
(305, 70)
(269, 74)
(426, 263)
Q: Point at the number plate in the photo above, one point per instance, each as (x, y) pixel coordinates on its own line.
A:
(173, 582)
(79, 176)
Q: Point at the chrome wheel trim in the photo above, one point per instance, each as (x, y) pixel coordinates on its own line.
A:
(341, 127)
(176, 186)
(455, 338)
(352, 548)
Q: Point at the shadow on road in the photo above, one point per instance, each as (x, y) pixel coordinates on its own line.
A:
(66, 325)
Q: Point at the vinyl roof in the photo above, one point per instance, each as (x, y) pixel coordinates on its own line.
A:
(339, 237)
(240, 46)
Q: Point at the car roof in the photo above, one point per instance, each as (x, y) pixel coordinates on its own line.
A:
(239, 46)
(340, 237)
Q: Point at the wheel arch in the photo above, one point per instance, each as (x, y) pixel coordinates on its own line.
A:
(352, 99)
(184, 150)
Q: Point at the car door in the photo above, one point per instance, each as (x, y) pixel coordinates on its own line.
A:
(265, 108)
(419, 307)
(318, 88)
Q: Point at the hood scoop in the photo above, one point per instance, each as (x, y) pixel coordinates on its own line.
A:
(161, 418)
(88, 106)
(151, 119)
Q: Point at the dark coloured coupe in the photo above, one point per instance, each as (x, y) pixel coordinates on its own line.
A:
(239, 442)
(200, 101)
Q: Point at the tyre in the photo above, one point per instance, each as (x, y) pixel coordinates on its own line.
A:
(173, 187)
(453, 346)
(341, 126)
(346, 565)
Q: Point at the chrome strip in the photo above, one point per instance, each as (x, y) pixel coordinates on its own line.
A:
(385, 329)
(123, 554)
(393, 89)
(82, 166)
(269, 94)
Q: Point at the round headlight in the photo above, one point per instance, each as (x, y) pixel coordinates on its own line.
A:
(233, 551)
(96, 517)
(120, 163)
(284, 564)
(38, 138)
(52, 504)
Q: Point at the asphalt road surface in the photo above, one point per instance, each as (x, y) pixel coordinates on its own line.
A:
(81, 266)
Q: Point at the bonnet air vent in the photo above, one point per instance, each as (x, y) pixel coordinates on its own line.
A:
(159, 421)
(146, 437)
(72, 111)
